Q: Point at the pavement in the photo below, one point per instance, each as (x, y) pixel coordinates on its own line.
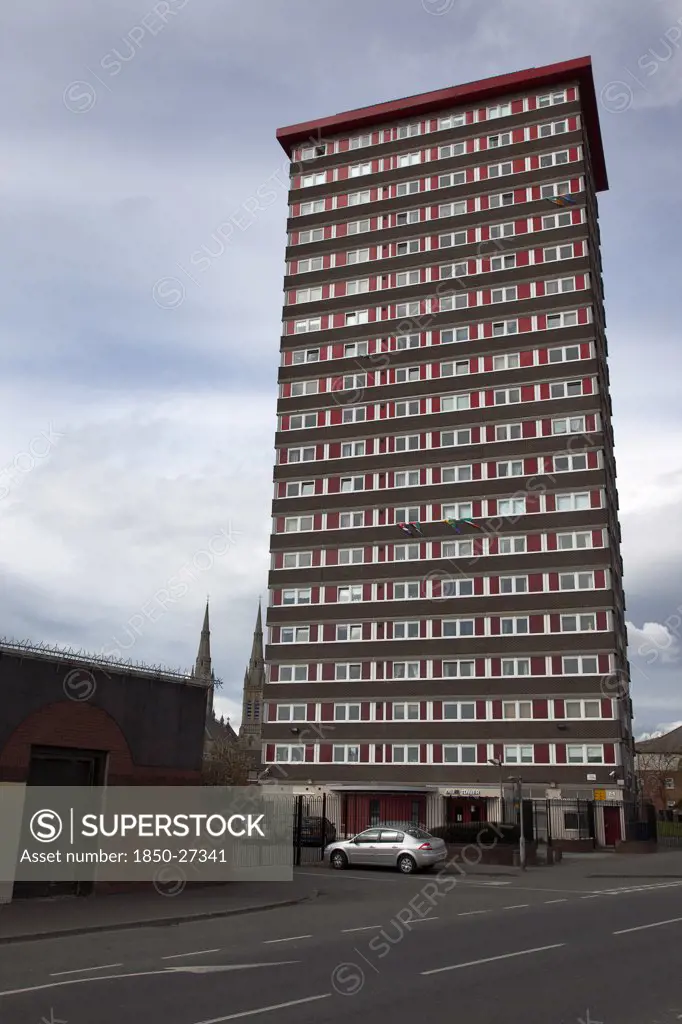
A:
(546, 945)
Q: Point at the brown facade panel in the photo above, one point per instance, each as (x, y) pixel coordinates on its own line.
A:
(423, 776)
(452, 732)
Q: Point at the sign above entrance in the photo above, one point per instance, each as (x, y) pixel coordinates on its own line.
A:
(600, 794)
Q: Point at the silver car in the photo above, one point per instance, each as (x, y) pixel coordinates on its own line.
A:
(408, 848)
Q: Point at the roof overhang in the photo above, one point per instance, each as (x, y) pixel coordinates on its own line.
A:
(578, 71)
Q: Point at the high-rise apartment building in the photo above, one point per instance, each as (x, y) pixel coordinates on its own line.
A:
(446, 606)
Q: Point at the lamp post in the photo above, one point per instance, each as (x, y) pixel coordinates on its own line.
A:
(522, 839)
(498, 763)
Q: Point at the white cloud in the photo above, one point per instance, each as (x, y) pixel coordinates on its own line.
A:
(652, 642)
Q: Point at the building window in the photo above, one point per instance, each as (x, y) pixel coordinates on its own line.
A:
(406, 755)
(293, 673)
(349, 594)
(289, 754)
(459, 711)
(579, 623)
(518, 755)
(517, 709)
(291, 713)
(406, 670)
(576, 581)
(458, 627)
(459, 669)
(406, 712)
(294, 635)
(346, 633)
(345, 754)
(453, 754)
(580, 666)
(406, 591)
(582, 709)
(297, 560)
(405, 630)
(346, 712)
(515, 667)
(513, 584)
(514, 626)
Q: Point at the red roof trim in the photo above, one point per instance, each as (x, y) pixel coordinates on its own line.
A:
(579, 70)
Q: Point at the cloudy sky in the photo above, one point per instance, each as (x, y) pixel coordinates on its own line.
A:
(137, 403)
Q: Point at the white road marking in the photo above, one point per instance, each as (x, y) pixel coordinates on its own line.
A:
(592, 896)
(470, 913)
(421, 920)
(199, 952)
(290, 938)
(555, 901)
(213, 968)
(517, 906)
(81, 970)
(643, 927)
(490, 959)
(81, 981)
(365, 928)
(265, 1009)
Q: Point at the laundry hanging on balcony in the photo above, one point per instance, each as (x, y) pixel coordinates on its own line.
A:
(411, 529)
(456, 524)
(564, 200)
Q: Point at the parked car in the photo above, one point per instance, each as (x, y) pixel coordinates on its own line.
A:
(314, 833)
(408, 849)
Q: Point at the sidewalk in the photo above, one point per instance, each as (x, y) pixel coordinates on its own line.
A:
(24, 920)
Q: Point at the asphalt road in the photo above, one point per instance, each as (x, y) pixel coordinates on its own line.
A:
(379, 944)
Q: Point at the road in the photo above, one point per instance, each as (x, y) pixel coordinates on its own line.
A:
(523, 950)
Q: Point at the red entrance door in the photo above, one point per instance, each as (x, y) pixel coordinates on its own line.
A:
(612, 833)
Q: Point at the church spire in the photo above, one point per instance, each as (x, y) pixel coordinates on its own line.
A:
(257, 644)
(252, 699)
(202, 669)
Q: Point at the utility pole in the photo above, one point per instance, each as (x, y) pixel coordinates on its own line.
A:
(498, 763)
(522, 838)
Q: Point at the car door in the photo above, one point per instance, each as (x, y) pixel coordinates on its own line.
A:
(363, 850)
(389, 847)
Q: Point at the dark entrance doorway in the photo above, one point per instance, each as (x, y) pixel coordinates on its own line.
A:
(57, 766)
(612, 830)
(462, 811)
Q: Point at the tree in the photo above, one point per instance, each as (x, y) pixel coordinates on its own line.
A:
(653, 769)
(226, 765)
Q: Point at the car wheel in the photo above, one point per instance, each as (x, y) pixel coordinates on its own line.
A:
(406, 864)
(338, 860)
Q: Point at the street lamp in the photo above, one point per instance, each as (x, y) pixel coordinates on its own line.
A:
(516, 779)
(497, 762)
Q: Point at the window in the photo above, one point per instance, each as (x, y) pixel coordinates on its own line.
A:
(560, 285)
(407, 217)
(346, 754)
(405, 630)
(406, 712)
(300, 488)
(407, 515)
(357, 198)
(456, 474)
(496, 170)
(579, 623)
(558, 252)
(409, 478)
(499, 110)
(409, 159)
(502, 230)
(300, 455)
(508, 432)
(460, 711)
(582, 709)
(357, 287)
(554, 159)
(452, 121)
(460, 301)
(309, 265)
(550, 99)
(317, 206)
(294, 634)
(354, 414)
(288, 754)
(410, 373)
(503, 294)
(566, 389)
(568, 463)
(455, 178)
(298, 524)
(293, 673)
(310, 355)
(563, 355)
(356, 170)
(576, 581)
(406, 591)
(346, 712)
(569, 425)
(458, 548)
(507, 396)
(505, 327)
(557, 220)
(458, 627)
(311, 152)
(407, 131)
(406, 670)
(572, 502)
(517, 709)
(511, 546)
(580, 665)
(511, 506)
(408, 443)
(360, 141)
(352, 483)
(309, 294)
(356, 348)
(304, 387)
(360, 316)
(357, 256)
(292, 713)
(514, 468)
(453, 403)
(569, 319)
(351, 556)
(297, 560)
(350, 449)
(303, 422)
(355, 227)
(513, 584)
(407, 188)
(303, 326)
(513, 626)
(461, 510)
(347, 520)
(454, 149)
(515, 667)
(313, 179)
(450, 438)
(495, 141)
(407, 341)
(407, 408)
(406, 248)
(458, 334)
(450, 270)
(312, 235)
(346, 633)
(408, 309)
(406, 278)
(457, 238)
(507, 361)
(406, 755)
(580, 754)
(348, 672)
(349, 594)
(518, 755)
(459, 754)
(458, 669)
